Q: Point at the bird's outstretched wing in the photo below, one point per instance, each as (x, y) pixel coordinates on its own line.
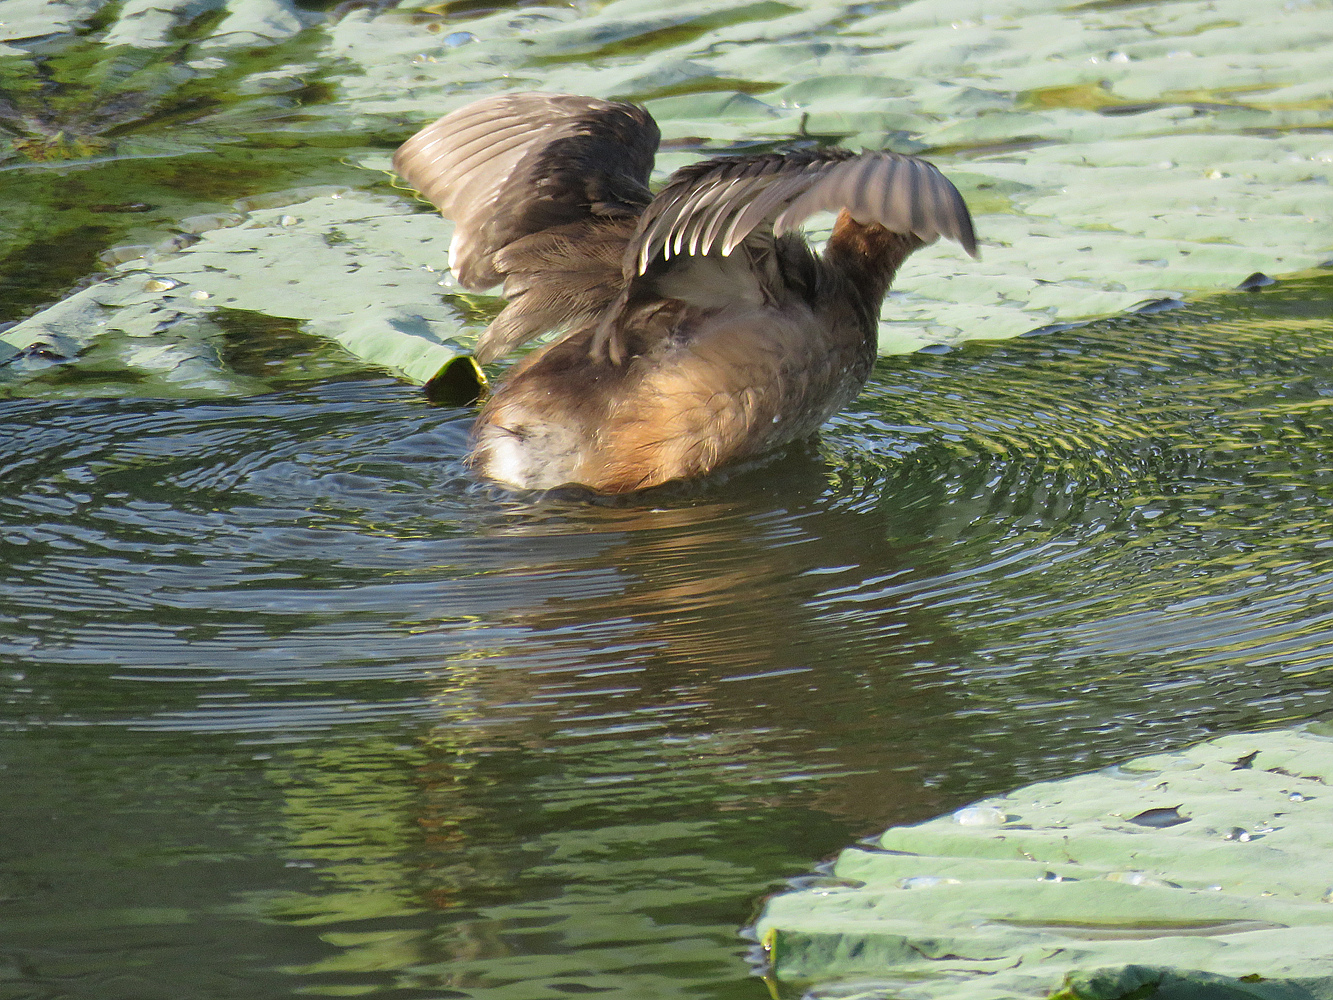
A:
(509, 166)
(709, 209)
(549, 193)
(716, 205)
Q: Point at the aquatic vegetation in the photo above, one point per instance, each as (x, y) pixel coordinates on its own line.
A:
(293, 704)
(1114, 155)
(1113, 882)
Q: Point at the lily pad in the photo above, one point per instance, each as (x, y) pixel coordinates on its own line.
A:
(1112, 153)
(1207, 871)
(364, 271)
(1123, 176)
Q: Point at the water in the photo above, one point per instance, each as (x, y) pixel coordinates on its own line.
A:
(293, 706)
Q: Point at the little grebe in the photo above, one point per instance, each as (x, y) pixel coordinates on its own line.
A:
(697, 328)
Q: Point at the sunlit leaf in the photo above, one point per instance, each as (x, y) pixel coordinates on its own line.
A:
(365, 272)
(1109, 157)
(1070, 891)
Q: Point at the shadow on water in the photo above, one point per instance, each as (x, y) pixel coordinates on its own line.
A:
(294, 704)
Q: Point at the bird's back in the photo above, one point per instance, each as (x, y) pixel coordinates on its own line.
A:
(706, 382)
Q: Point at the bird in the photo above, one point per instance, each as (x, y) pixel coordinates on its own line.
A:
(695, 327)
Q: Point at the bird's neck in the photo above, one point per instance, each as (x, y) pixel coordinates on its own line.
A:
(867, 257)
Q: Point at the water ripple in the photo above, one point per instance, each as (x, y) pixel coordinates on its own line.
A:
(1115, 528)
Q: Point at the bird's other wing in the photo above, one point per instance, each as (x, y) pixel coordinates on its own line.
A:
(716, 205)
(509, 166)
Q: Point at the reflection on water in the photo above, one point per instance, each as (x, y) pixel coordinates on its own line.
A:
(294, 705)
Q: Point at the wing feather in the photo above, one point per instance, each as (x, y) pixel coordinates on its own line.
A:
(774, 194)
(724, 209)
(546, 190)
(701, 210)
(511, 165)
(722, 203)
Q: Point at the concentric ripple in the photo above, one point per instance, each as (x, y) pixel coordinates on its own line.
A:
(391, 730)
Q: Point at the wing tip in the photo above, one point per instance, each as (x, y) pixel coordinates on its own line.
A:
(967, 237)
(966, 234)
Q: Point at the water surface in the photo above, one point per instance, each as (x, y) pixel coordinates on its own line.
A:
(293, 706)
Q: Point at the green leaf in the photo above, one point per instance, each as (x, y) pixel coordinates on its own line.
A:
(1109, 156)
(366, 272)
(1203, 873)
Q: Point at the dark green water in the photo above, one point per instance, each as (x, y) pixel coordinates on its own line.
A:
(294, 707)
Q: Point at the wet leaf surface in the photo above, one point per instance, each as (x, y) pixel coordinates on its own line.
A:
(1111, 158)
(1200, 908)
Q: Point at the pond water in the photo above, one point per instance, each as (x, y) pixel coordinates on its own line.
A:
(292, 705)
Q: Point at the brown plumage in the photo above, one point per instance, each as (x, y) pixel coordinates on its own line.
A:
(695, 327)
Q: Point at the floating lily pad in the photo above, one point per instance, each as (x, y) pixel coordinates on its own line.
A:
(1207, 870)
(365, 271)
(1111, 155)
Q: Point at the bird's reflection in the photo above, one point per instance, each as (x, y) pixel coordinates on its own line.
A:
(700, 610)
